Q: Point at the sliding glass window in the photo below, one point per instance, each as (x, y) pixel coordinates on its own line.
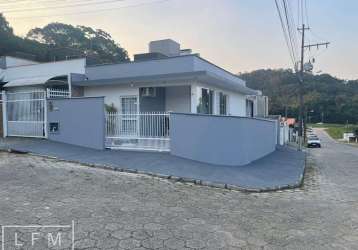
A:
(223, 104)
(205, 105)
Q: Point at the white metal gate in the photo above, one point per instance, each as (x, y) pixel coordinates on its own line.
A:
(25, 114)
(142, 131)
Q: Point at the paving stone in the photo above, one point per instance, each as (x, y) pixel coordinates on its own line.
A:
(117, 210)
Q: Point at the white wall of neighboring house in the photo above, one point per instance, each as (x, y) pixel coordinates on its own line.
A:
(50, 69)
(14, 62)
(26, 89)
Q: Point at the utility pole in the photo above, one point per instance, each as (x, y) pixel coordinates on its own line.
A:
(300, 116)
(301, 81)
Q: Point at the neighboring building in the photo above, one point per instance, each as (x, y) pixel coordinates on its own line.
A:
(20, 75)
(349, 137)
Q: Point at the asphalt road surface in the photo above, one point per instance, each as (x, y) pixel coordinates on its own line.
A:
(113, 210)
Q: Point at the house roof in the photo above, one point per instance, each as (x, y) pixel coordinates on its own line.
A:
(28, 81)
(19, 74)
(188, 67)
(39, 80)
(162, 79)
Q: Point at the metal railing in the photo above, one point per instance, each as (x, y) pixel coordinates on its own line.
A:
(143, 131)
(57, 93)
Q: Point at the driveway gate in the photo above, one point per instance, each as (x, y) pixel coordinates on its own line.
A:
(25, 114)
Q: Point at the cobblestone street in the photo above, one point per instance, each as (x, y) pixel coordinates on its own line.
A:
(114, 210)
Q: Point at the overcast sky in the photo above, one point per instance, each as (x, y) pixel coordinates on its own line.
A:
(239, 35)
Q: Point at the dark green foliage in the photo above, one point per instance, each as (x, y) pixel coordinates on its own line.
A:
(58, 41)
(325, 96)
(356, 132)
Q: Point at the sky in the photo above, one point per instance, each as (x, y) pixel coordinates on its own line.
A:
(238, 35)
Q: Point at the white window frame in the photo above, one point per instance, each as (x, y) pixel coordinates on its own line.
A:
(218, 104)
(127, 97)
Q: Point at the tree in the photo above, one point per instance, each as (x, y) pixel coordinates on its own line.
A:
(324, 94)
(4, 25)
(68, 40)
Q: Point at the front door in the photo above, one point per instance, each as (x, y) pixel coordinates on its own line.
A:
(129, 114)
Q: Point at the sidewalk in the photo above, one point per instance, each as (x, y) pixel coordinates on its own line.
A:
(281, 169)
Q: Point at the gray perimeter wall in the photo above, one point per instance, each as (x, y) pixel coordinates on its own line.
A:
(81, 121)
(223, 140)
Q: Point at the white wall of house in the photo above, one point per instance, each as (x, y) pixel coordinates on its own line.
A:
(112, 93)
(177, 99)
(236, 103)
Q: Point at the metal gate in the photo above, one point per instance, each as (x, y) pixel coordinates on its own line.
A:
(143, 131)
(1, 118)
(25, 114)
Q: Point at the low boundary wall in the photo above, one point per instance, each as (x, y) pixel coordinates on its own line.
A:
(223, 140)
(77, 121)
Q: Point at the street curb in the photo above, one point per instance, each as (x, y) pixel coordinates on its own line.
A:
(198, 182)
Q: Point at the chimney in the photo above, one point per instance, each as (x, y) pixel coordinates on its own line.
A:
(167, 47)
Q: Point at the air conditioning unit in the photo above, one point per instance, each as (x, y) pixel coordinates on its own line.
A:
(149, 92)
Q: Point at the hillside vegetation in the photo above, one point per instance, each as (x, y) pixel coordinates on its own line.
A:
(326, 98)
(58, 41)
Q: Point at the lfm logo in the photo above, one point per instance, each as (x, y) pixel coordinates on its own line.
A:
(38, 236)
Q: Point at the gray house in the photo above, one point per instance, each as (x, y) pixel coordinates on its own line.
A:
(168, 99)
(167, 79)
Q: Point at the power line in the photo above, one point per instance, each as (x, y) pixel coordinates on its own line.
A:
(94, 11)
(286, 32)
(62, 6)
(291, 33)
(290, 36)
(12, 4)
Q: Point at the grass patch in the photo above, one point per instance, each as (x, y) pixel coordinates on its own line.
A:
(336, 130)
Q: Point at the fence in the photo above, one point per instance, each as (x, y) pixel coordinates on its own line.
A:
(57, 93)
(138, 131)
(25, 114)
(1, 117)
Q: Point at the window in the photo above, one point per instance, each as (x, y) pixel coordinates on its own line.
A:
(223, 104)
(206, 102)
(129, 105)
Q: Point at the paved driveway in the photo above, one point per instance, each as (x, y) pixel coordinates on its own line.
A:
(280, 169)
(114, 210)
